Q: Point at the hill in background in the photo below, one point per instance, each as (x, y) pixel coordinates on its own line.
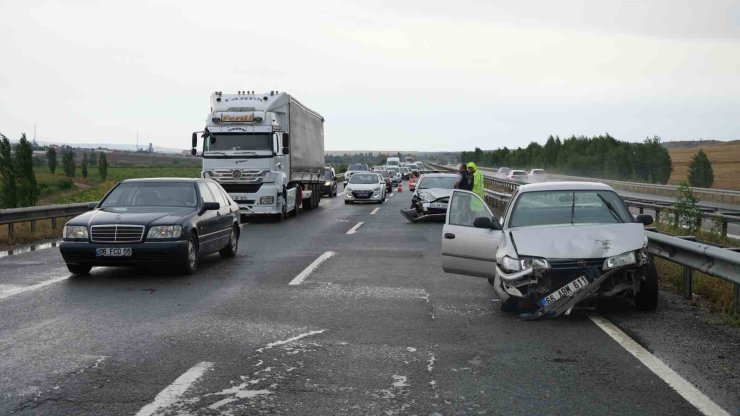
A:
(725, 158)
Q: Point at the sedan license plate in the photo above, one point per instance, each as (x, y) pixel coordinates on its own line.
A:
(438, 205)
(566, 291)
(113, 252)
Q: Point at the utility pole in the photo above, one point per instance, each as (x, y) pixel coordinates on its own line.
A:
(34, 131)
(137, 140)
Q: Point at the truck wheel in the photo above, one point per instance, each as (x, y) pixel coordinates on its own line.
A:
(79, 269)
(318, 195)
(647, 298)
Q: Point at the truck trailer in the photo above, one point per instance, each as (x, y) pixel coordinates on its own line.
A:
(266, 151)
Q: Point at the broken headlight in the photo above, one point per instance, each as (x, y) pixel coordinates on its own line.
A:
(621, 260)
(510, 264)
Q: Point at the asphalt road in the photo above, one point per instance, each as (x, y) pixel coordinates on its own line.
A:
(377, 328)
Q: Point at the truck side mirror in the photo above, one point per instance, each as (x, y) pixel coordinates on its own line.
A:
(286, 143)
(195, 140)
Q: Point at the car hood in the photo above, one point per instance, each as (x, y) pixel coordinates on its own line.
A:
(363, 187)
(579, 241)
(434, 193)
(133, 216)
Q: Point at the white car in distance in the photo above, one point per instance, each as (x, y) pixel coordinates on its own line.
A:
(365, 187)
(517, 175)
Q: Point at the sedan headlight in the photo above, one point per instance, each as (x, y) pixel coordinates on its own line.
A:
(621, 260)
(75, 232)
(267, 200)
(376, 189)
(514, 265)
(165, 231)
(511, 265)
(327, 183)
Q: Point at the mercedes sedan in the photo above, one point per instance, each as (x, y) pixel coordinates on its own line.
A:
(168, 221)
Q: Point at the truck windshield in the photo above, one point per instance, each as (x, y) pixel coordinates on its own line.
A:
(238, 143)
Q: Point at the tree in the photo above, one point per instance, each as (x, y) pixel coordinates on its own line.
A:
(701, 173)
(103, 166)
(28, 188)
(688, 213)
(8, 187)
(83, 165)
(51, 159)
(68, 162)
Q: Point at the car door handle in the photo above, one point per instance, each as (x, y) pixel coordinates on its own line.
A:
(449, 236)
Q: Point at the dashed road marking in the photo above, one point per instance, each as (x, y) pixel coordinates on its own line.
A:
(354, 229)
(174, 391)
(17, 290)
(687, 390)
(311, 267)
(375, 211)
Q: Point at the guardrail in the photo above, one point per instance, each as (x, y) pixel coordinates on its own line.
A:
(12, 216)
(721, 262)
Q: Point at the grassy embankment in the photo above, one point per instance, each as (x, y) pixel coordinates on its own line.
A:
(58, 189)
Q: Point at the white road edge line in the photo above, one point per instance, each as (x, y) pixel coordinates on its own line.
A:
(354, 229)
(311, 267)
(171, 393)
(373, 212)
(23, 289)
(687, 390)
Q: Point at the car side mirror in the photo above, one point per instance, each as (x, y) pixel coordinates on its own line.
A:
(286, 143)
(92, 205)
(486, 222)
(645, 219)
(211, 206)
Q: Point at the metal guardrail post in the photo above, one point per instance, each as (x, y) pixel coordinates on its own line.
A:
(736, 301)
(688, 281)
(10, 230)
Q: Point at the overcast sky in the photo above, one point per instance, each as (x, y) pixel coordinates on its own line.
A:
(386, 75)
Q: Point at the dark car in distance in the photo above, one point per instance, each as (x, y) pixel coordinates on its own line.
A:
(330, 183)
(165, 221)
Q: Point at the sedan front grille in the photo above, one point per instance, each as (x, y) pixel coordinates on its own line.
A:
(117, 233)
(573, 264)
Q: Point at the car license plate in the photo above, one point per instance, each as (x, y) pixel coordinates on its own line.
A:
(438, 205)
(240, 197)
(566, 291)
(113, 252)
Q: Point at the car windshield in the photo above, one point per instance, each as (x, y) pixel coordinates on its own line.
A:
(444, 182)
(568, 207)
(363, 179)
(357, 166)
(538, 172)
(328, 175)
(152, 194)
(239, 143)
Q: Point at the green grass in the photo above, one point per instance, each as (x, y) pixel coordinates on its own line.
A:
(58, 189)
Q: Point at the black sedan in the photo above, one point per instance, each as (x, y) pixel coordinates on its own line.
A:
(153, 221)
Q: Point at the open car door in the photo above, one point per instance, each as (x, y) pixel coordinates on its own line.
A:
(467, 249)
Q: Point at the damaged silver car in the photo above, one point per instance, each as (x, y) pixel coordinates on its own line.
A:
(559, 244)
(430, 198)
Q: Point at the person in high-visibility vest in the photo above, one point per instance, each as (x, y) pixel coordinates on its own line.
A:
(477, 180)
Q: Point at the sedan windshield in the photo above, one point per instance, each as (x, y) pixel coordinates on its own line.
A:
(328, 175)
(363, 179)
(568, 207)
(239, 143)
(152, 194)
(357, 166)
(444, 182)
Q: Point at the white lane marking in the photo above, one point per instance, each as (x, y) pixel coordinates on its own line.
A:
(354, 229)
(171, 393)
(289, 340)
(17, 290)
(687, 390)
(311, 267)
(375, 211)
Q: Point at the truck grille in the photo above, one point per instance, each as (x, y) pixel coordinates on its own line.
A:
(117, 233)
(248, 188)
